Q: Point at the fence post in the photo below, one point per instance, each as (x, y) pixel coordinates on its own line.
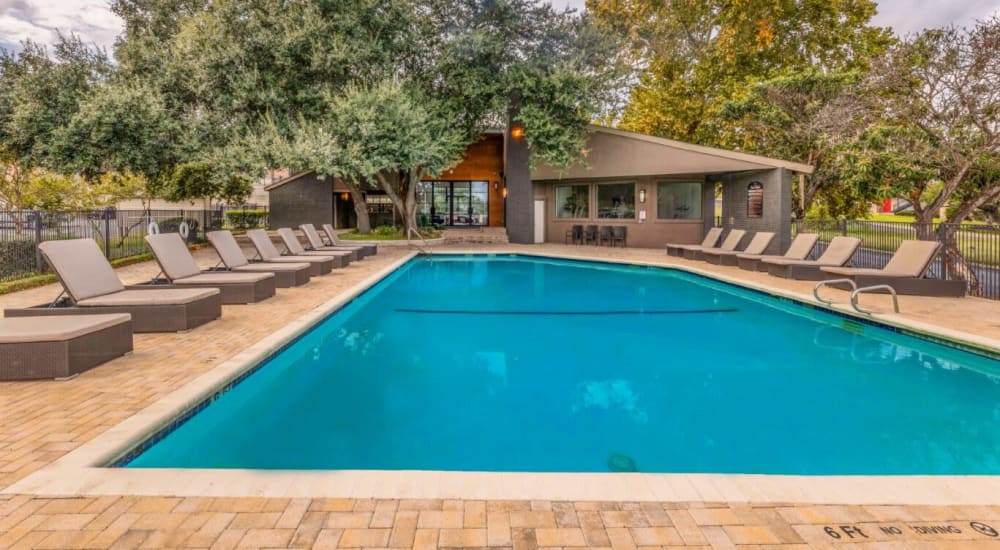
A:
(39, 262)
(107, 235)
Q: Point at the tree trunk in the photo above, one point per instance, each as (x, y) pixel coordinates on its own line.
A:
(957, 265)
(406, 205)
(360, 207)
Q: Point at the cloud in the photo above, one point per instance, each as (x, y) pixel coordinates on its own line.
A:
(906, 16)
(42, 21)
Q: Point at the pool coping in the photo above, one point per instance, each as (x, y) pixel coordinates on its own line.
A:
(82, 471)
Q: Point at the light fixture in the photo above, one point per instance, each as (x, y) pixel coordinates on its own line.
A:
(344, 196)
(517, 132)
(505, 192)
(642, 196)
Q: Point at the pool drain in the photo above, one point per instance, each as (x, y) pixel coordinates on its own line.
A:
(618, 462)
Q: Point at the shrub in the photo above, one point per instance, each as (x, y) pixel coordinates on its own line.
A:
(386, 230)
(246, 219)
(17, 258)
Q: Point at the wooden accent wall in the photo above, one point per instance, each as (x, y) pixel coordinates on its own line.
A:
(483, 162)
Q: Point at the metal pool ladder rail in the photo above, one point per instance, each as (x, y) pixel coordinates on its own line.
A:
(855, 291)
(411, 231)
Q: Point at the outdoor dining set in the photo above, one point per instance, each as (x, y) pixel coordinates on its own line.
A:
(606, 235)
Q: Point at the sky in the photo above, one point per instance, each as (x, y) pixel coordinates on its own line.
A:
(41, 20)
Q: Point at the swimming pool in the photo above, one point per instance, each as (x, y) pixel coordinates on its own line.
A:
(512, 363)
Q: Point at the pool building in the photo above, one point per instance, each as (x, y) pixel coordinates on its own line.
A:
(660, 190)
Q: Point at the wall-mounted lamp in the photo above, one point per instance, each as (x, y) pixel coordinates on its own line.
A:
(517, 132)
(642, 196)
(505, 192)
(344, 196)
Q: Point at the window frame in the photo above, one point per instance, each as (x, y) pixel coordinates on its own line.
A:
(555, 201)
(701, 206)
(635, 199)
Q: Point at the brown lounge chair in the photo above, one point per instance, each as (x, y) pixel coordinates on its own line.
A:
(758, 244)
(93, 288)
(800, 248)
(316, 243)
(61, 346)
(904, 272)
(731, 241)
(331, 235)
(837, 253)
(178, 266)
(710, 240)
(229, 251)
(295, 248)
(321, 265)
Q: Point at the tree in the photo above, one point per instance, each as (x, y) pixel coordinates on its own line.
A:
(935, 135)
(809, 116)
(38, 95)
(193, 180)
(698, 55)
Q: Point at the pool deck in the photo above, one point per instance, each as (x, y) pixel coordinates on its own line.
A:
(46, 423)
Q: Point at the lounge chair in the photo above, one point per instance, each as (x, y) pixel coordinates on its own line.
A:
(732, 240)
(904, 272)
(295, 248)
(837, 253)
(92, 287)
(178, 266)
(316, 243)
(229, 251)
(61, 346)
(800, 248)
(321, 265)
(710, 240)
(331, 235)
(758, 244)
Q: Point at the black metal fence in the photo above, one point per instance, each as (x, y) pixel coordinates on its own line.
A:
(970, 252)
(119, 233)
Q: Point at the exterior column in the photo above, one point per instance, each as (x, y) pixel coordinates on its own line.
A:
(520, 194)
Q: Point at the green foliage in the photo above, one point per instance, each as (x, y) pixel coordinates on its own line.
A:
(246, 219)
(193, 180)
(17, 258)
(39, 93)
(698, 55)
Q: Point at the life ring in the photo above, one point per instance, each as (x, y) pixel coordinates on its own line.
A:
(153, 228)
(184, 230)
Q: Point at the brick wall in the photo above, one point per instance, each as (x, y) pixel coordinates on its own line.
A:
(777, 211)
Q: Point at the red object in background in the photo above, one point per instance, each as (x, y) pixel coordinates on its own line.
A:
(887, 205)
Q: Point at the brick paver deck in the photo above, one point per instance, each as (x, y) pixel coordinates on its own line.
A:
(41, 421)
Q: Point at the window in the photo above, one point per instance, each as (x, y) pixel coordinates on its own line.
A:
(573, 201)
(616, 201)
(678, 201)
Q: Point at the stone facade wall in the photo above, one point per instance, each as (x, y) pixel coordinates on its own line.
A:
(777, 212)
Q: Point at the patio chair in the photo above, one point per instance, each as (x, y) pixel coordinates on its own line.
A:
(605, 235)
(574, 234)
(710, 240)
(267, 252)
(800, 248)
(732, 240)
(837, 253)
(341, 258)
(590, 234)
(178, 266)
(316, 243)
(331, 235)
(231, 254)
(92, 287)
(758, 244)
(904, 272)
(620, 234)
(61, 346)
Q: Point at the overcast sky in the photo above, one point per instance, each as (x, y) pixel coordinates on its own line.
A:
(41, 19)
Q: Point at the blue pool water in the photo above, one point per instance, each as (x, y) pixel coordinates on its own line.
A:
(521, 364)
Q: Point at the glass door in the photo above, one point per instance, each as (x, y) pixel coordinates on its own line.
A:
(455, 203)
